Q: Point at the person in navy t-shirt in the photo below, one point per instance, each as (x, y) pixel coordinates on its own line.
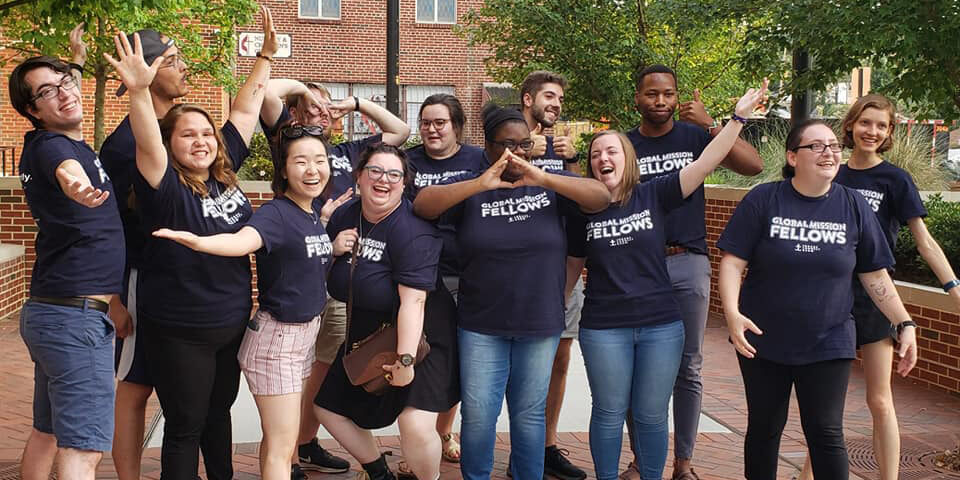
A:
(510, 231)
(803, 239)
(868, 129)
(64, 322)
(193, 306)
(310, 103)
(443, 155)
(631, 333)
(293, 257)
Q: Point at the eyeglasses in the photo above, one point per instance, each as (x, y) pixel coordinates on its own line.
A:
(524, 145)
(438, 123)
(376, 173)
(296, 131)
(818, 147)
(172, 61)
(52, 91)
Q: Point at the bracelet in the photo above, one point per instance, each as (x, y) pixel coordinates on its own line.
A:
(76, 66)
(905, 324)
(356, 104)
(952, 283)
(260, 55)
(739, 118)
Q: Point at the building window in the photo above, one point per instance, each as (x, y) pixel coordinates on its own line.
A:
(325, 9)
(437, 11)
(414, 96)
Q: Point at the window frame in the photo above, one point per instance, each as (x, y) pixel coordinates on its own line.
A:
(416, 13)
(319, 16)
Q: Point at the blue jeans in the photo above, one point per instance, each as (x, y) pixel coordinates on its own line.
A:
(72, 351)
(491, 366)
(635, 368)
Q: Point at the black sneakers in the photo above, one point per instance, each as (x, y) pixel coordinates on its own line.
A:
(296, 473)
(555, 463)
(314, 458)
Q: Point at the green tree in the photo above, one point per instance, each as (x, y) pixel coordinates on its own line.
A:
(204, 31)
(599, 44)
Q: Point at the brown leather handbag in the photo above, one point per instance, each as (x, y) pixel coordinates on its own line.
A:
(364, 360)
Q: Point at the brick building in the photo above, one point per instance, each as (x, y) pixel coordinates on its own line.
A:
(340, 44)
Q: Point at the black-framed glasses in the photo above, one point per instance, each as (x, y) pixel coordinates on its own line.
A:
(52, 91)
(376, 173)
(524, 145)
(296, 131)
(438, 123)
(817, 147)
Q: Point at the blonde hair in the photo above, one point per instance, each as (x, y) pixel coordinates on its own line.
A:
(631, 174)
(221, 169)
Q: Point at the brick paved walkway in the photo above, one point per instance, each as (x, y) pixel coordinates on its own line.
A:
(929, 421)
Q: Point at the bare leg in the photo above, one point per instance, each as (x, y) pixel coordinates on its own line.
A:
(73, 464)
(445, 427)
(280, 429)
(309, 424)
(877, 368)
(558, 386)
(38, 456)
(420, 443)
(129, 419)
(359, 442)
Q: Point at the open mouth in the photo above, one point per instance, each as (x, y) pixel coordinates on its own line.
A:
(606, 170)
(312, 181)
(380, 188)
(69, 106)
(827, 164)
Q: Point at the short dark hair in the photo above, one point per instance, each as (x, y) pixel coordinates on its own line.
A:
(279, 184)
(381, 147)
(21, 95)
(534, 81)
(793, 141)
(651, 69)
(457, 118)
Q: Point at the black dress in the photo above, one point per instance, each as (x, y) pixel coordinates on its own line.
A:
(400, 249)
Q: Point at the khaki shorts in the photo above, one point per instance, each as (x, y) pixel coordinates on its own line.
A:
(332, 331)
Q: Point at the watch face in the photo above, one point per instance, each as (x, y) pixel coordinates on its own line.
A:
(406, 359)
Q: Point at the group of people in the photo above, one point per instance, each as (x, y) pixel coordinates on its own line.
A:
(479, 250)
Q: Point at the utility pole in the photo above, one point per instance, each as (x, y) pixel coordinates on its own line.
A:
(802, 100)
(393, 56)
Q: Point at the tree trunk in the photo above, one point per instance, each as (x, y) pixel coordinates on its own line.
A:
(100, 95)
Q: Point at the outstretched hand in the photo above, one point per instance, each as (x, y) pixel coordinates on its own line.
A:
(186, 239)
(81, 191)
(131, 67)
(750, 100)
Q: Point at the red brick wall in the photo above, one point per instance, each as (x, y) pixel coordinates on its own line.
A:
(12, 288)
(939, 340)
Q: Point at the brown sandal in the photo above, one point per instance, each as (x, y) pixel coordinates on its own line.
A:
(631, 473)
(403, 471)
(688, 475)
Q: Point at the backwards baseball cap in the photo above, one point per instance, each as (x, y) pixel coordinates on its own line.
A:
(153, 47)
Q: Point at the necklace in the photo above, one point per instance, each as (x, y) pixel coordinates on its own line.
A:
(360, 236)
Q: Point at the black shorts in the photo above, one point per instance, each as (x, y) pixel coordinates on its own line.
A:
(872, 325)
(130, 363)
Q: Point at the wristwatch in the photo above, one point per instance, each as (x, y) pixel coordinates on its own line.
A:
(406, 359)
(905, 324)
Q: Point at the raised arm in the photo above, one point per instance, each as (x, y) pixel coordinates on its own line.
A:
(743, 158)
(137, 76)
(930, 250)
(78, 53)
(432, 201)
(692, 176)
(395, 130)
(246, 107)
(278, 90)
(729, 278)
(884, 294)
(244, 242)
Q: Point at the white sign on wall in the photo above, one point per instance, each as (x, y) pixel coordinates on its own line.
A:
(248, 44)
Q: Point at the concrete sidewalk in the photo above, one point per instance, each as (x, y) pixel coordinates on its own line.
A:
(930, 422)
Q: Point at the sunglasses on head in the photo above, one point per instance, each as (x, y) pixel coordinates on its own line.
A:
(296, 131)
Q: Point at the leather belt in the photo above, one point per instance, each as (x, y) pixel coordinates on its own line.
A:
(676, 250)
(77, 302)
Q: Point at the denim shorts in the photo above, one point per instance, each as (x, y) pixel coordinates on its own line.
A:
(72, 351)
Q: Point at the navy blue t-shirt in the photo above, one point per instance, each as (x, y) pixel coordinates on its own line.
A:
(426, 171)
(119, 156)
(629, 284)
(891, 193)
(180, 287)
(77, 247)
(293, 262)
(343, 158)
(513, 248)
(669, 153)
(550, 161)
(401, 249)
(801, 254)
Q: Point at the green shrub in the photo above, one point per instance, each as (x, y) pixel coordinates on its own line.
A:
(943, 222)
(259, 165)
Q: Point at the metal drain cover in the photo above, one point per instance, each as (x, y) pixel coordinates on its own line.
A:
(11, 471)
(917, 457)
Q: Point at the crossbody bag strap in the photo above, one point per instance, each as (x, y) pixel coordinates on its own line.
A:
(353, 265)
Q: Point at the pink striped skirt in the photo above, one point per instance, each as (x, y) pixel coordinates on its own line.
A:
(277, 357)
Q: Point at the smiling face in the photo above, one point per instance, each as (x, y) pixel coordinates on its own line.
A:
(657, 98)
(64, 111)
(814, 167)
(870, 129)
(306, 169)
(607, 161)
(510, 131)
(438, 142)
(546, 105)
(380, 196)
(171, 79)
(193, 143)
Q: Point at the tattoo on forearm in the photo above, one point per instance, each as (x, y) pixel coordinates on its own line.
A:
(880, 292)
(257, 89)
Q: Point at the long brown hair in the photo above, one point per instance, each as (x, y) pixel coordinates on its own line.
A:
(631, 175)
(221, 169)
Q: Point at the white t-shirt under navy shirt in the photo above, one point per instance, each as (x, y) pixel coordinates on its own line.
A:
(293, 262)
(513, 248)
(77, 247)
(426, 171)
(178, 286)
(629, 285)
(801, 254)
(669, 153)
(891, 193)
